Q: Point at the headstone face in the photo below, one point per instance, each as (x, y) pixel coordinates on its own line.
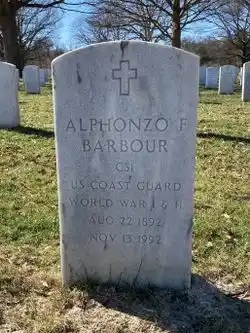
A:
(203, 75)
(9, 109)
(246, 82)
(125, 118)
(42, 76)
(31, 79)
(212, 77)
(227, 79)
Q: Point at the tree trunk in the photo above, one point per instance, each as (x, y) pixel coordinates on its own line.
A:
(176, 23)
(10, 35)
(244, 50)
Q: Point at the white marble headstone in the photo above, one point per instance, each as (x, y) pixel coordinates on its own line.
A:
(125, 119)
(212, 77)
(31, 79)
(246, 82)
(227, 78)
(203, 75)
(9, 109)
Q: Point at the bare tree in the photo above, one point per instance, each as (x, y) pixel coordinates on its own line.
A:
(120, 21)
(233, 23)
(170, 18)
(97, 28)
(8, 21)
(36, 28)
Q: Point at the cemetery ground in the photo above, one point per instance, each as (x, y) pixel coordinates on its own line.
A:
(31, 296)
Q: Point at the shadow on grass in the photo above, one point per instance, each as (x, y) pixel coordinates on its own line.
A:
(203, 309)
(211, 135)
(33, 131)
(210, 102)
(204, 135)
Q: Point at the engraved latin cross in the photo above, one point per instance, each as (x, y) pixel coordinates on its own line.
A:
(124, 74)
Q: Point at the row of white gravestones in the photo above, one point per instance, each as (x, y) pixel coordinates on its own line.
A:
(246, 82)
(34, 78)
(125, 121)
(213, 74)
(9, 108)
(225, 77)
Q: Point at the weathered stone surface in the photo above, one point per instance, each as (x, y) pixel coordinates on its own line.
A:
(246, 82)
(227, 78)
(31, 79)
(212, 77)
(203, 70)
(125, 118)
(9, 109)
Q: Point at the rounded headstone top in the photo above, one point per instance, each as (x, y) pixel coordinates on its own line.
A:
(123, 46)
(6, 64)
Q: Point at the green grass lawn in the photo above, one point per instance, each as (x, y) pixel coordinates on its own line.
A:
(31, 297)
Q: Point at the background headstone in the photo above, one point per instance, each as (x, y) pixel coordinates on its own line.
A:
(31, 79)
(46, 73)
(246, 82)
(18, 77)
(227, 79)
(9, 109)
(48, 70)
(42, 76)
(203, 75)
(125, 119)
(236, 73)
(240, 76)
(212, 77)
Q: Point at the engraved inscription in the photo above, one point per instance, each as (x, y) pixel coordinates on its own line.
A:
(141, 144)
(123, 125)
(125, 146)
(85, 202)
(124, 167)
(124, 74)
(126, 221)
(141, 185)
(142, 239)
